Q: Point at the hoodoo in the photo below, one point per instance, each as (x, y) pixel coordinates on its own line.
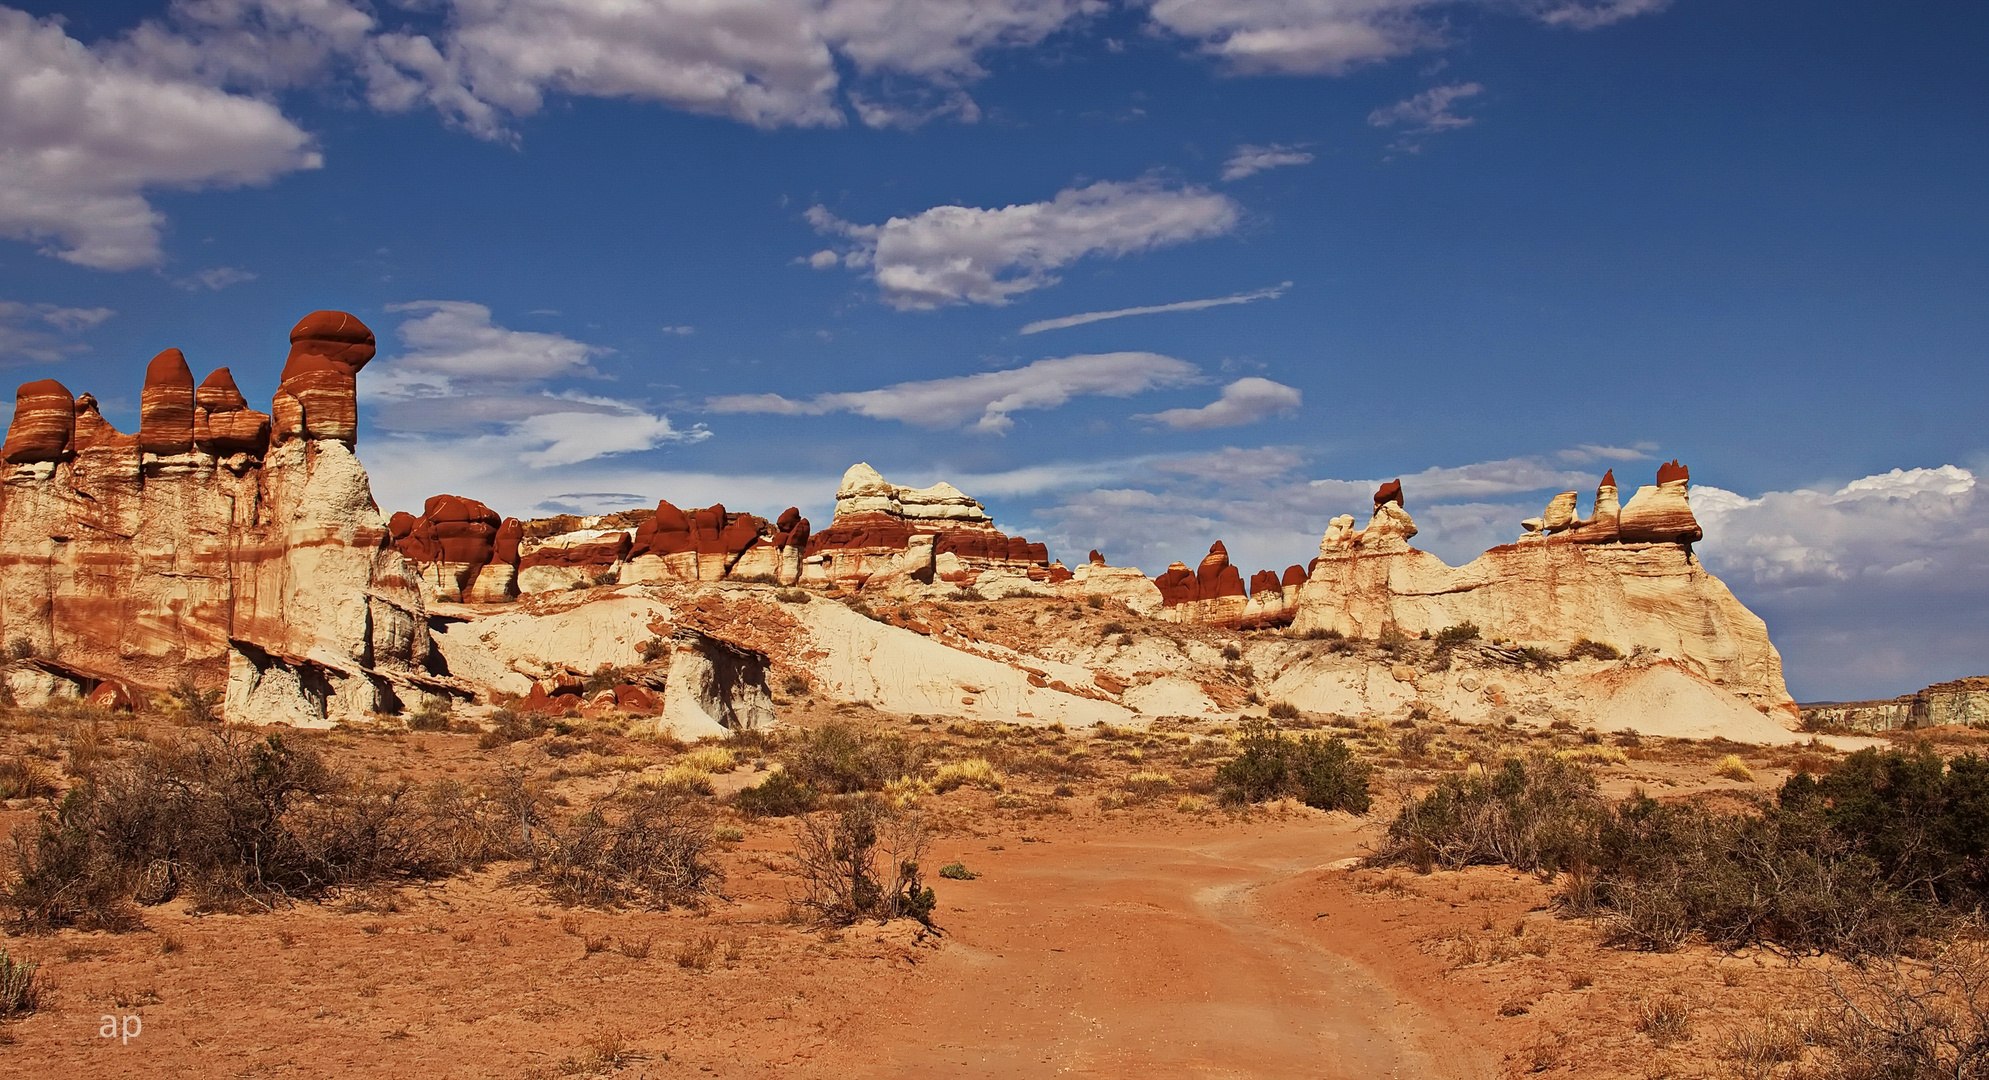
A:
(195, 550)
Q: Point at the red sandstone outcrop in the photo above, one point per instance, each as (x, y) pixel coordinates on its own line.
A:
(454, 544)
(43, 425)
(712, 544)
(1640, 590)
(1213, 594)
(192, 549)
(559, 562)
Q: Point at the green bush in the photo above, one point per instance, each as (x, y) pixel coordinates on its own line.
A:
(20, 986)
(838, 759)
(1452, 636)
(955, 871)
(1321, 772)
(1283, 710)
(1888, 847)
(1594, 650)
(779, 795)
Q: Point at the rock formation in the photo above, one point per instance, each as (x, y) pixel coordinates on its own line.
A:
(454, 543)
(1213, 594)
(885, 536)
(1629, 580)
(195, 549)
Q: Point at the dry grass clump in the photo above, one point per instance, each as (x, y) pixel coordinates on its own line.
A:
(1594, 755)
(1146, 784)
(1733, 768)
(708, 758)
(837, 758)
(1666, 1018)
(975, 771)
(21, 984)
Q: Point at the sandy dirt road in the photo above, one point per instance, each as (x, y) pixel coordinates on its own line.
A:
(1162, 955)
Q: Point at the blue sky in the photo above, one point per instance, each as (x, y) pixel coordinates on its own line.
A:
(721, 251)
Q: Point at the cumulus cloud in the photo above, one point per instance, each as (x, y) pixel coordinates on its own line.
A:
(1332, 37)
(88, 133)
(1871, 588)
(985, 399)
(1250, 160)
(462, 380)
(1063, 321)
(1244, 401)
(44, 333)
(963, 254)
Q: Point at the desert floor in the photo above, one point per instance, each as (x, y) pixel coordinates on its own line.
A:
(1106, 935)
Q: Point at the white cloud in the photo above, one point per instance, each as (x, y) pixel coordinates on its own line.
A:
(216, 279)
(88, 133)
(1588, 452)
(964, 254)
(825, 259)
(464, 382)
(1332, 37)
(1250, 160)
(1244, 401)
(1061, 322)
(450, 340)
(1871, 588)
(770, 63)
(1429, 112)
(1589, 14)
(44, 333)
(985, 399)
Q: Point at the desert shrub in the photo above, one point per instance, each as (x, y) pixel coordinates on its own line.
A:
(20, 986)
(1112, 627)
(1322, 633)
(862, 861)
(231, 822)
(1231, 652)
(794, 686)
(650, 848)
(1538, 813)
(434, 715)
(653, 650)
(1339, 645)
(1094, 602)
(1283, 710)
(510, 726)
(605, 677)
(792, 596)
(608, 577)
(965, 595)
(1415, 742)
(1594, 650)
(1910, 1022)
(837, 758)
(1453, 636)
(191, 704)
(779, 795)
(954, 871)
(1323, 773)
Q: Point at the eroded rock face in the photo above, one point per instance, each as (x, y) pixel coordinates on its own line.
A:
(1213, 594)
(193, 549)
(1633, 584)
(713, 687)
(454, 543)
(887, 536)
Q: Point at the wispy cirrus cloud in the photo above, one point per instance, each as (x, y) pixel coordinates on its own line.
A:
(1064, 321)
(1250, 160)
(45, 333)
(1427, 113)
(974, 255)
(985, 400)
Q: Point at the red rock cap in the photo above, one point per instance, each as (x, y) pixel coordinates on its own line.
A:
(1672, 470)
(1389, 492)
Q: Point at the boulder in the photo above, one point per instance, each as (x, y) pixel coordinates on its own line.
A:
(44, 422)
(165, 406)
